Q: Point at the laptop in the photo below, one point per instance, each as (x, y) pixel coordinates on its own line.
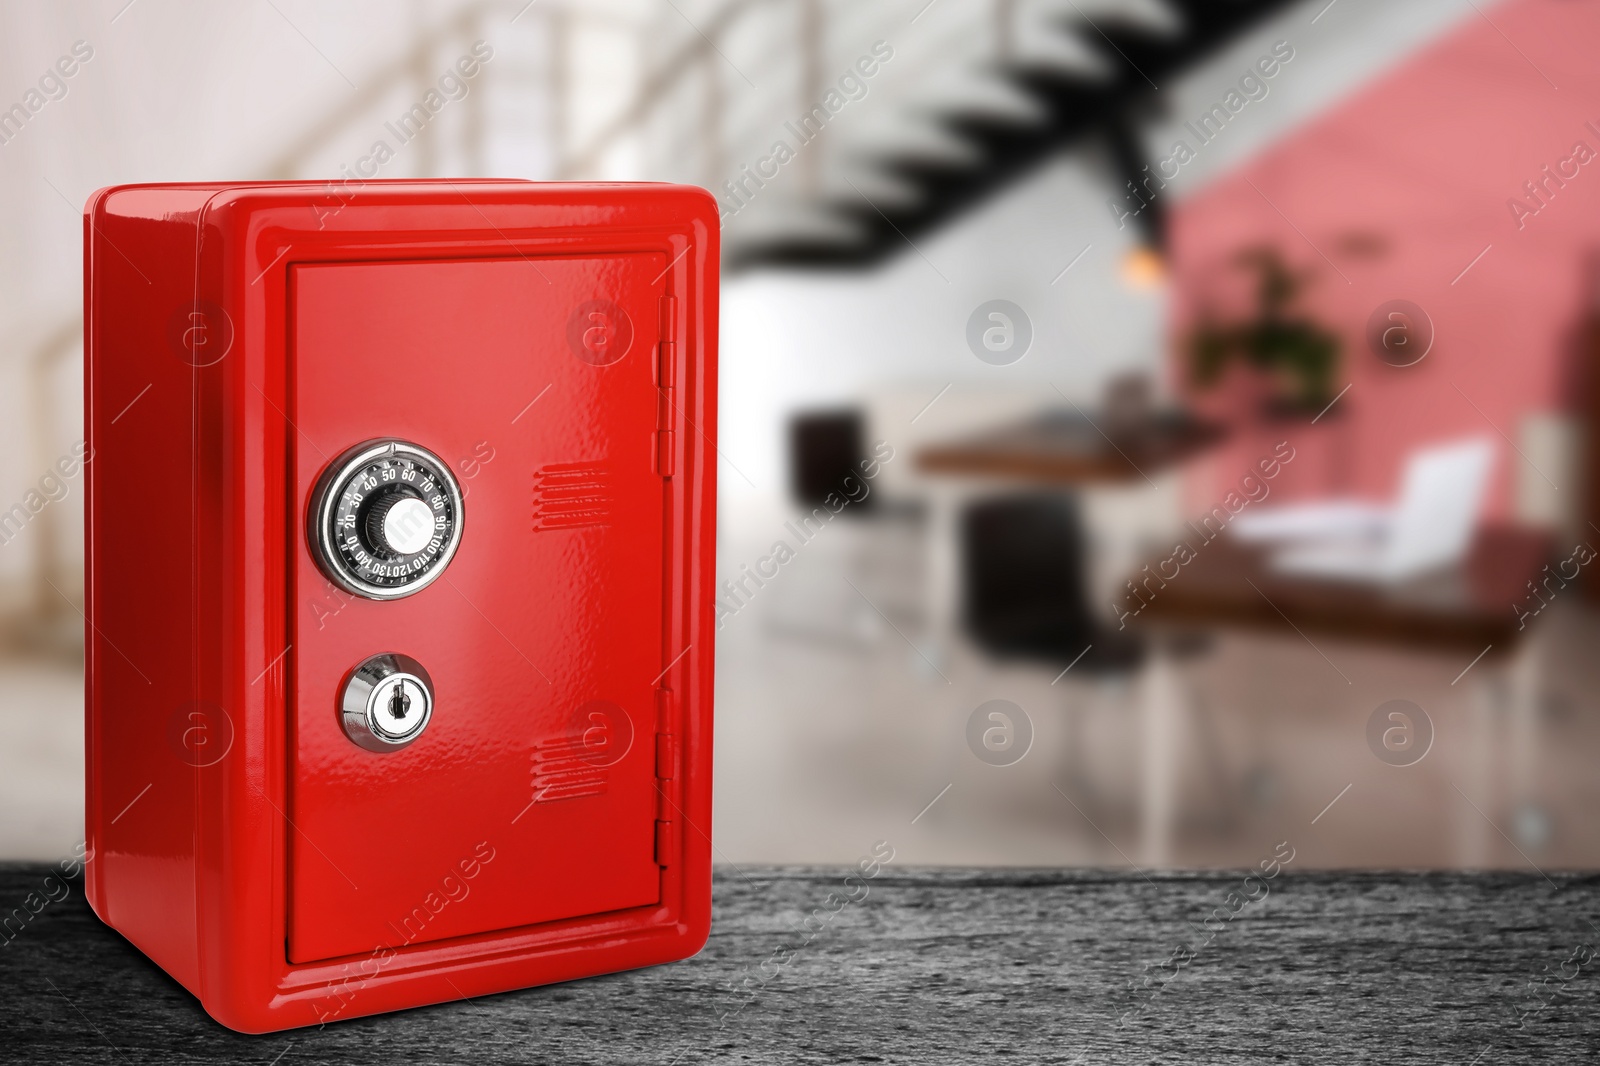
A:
(1428, 528)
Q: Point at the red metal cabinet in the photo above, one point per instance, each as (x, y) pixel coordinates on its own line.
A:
(465, 426)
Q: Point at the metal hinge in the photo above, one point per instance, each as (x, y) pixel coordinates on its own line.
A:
(666, 756)
(666, 372)
(666, 841)
(669, 340)
(666, 773)
(666, 452)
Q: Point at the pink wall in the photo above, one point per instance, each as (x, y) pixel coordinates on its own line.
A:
(1426, 157)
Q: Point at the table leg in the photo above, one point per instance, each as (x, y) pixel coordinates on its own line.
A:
(1476, 835)
(1160, 700)
(944, 570)
(1529, 822)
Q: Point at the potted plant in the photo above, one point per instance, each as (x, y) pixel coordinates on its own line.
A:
(1279, 341)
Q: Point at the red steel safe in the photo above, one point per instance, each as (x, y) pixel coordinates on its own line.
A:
(400, 550)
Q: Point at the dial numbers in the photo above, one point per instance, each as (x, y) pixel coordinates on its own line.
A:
(386, 519)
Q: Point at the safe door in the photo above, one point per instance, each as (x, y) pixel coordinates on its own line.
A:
(478, 596)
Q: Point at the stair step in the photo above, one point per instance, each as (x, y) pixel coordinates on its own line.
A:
(1076, 67)
(984, 91)
(913, 134)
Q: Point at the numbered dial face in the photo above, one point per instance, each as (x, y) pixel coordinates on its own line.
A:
(386, 518)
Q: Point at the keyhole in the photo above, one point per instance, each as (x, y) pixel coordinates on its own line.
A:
(399, 703)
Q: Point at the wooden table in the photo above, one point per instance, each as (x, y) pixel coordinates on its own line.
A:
(1069, 447)
(1464, 610)
(1466, 614)
(936, 966)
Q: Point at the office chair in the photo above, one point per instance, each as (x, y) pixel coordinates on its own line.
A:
(873, 542)
(1025, 590)
(825, 448)
(1026, 597)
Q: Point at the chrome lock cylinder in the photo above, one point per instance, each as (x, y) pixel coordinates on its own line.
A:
(386, 702)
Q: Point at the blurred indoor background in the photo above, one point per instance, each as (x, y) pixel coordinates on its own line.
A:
(1149, 430)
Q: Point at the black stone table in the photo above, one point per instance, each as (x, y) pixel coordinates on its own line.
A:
(938, 966)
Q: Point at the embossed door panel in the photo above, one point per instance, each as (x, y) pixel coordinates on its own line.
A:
(530, 797)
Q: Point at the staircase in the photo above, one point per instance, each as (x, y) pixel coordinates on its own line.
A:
(1051, 79)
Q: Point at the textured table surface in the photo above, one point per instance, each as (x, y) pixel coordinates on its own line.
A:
(937, 966)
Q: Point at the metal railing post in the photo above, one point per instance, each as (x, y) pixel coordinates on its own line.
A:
(474, 148)
(560, 44)
(712, 116)
(812, 35)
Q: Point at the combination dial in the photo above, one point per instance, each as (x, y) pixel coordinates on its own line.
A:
(385, 518)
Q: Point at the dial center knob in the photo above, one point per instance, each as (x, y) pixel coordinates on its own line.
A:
(399, 524)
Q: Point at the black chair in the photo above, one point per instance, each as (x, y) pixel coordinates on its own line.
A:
(826, 447)
(1024, 564)
(1025, 591)
(876, 544)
